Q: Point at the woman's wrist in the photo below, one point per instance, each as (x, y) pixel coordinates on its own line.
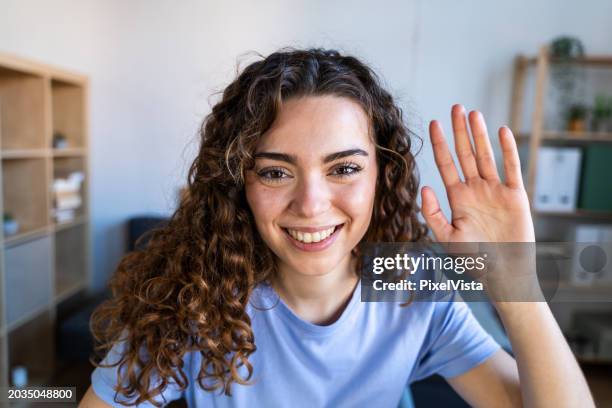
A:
(518, 310)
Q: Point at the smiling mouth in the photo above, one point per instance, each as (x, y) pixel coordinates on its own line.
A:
(313, 237)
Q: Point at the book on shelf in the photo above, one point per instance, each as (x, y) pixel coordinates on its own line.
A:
(596, 184)
(63, 216)
(67, 192)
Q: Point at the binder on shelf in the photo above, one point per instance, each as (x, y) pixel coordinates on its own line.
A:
(596, 185)
(557, 178)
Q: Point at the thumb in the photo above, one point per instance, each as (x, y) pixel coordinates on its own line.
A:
(434, 216)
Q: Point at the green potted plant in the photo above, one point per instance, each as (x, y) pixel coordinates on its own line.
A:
(602, 114)
(567, 77)
(11, 226)
(566, 48)
(59, 141)
(576, 117)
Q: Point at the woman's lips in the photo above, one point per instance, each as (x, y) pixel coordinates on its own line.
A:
(314, 246)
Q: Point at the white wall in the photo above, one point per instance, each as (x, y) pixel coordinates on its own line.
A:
(154, 64)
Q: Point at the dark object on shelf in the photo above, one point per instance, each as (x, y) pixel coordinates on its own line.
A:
(59, 141)
(566, 48)
(595, 191)
(11, 226)
(566, 76)
(435, 391)
(139, 226)
(74, 340)
(602, 114)
(597, 328)
(576, 117)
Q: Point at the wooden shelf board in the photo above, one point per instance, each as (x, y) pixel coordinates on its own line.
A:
(71, 290)
(26, 318)
(593, 60)
(593, 287)
(593, 360)
(22, 237)
(69, 152)
(561, 136)
(25, 65)
(24, 153)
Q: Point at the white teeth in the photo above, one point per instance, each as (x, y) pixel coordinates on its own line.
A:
(308, 237)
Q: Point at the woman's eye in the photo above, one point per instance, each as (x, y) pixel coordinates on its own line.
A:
(273, 175)
(347, 169)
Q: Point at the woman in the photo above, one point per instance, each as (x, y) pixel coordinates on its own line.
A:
(249, 296)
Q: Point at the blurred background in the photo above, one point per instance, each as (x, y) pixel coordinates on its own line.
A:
(101, 101)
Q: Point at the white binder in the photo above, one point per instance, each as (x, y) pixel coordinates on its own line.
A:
(557, 179)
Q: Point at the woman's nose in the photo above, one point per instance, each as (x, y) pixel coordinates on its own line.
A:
(312, 197)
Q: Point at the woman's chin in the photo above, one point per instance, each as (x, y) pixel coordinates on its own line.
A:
(314, 267)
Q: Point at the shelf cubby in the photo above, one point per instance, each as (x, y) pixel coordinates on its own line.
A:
(32, 345)
(67, 106)
(24, 188)
(70, 259)
(29, 279)
(22, 115)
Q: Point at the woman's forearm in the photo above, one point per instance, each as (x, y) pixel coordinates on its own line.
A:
(548, 371)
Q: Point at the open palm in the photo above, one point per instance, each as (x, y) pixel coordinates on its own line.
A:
(484, 209)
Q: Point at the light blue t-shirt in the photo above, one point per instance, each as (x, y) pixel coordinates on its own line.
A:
(366, 358)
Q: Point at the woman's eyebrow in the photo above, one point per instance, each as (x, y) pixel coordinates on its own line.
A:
(292, 159)
(345, 153)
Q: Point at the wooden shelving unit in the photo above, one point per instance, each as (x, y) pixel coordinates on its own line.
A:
(44, 263)
(539, 135)
(559, 225)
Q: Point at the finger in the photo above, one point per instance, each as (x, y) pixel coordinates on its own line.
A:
(442, 155)
(512, 162)
(434, 216)
(484, 153)
(463, 146)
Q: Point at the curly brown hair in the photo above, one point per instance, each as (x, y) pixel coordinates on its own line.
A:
(188, 288)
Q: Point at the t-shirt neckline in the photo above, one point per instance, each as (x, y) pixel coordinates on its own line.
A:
(308, 327)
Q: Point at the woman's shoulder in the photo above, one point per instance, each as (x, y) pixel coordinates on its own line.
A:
(111, 370)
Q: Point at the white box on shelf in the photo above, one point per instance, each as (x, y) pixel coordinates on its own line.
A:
(557, 179)
(596, 265)
(62, 216)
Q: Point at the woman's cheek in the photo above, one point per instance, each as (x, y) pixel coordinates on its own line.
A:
(358, 198)
(266, 203)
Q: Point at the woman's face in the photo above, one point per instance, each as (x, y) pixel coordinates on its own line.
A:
(312, 189)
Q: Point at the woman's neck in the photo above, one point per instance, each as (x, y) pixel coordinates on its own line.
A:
(319, 299)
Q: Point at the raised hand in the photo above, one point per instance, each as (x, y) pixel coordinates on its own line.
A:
(484, 209)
